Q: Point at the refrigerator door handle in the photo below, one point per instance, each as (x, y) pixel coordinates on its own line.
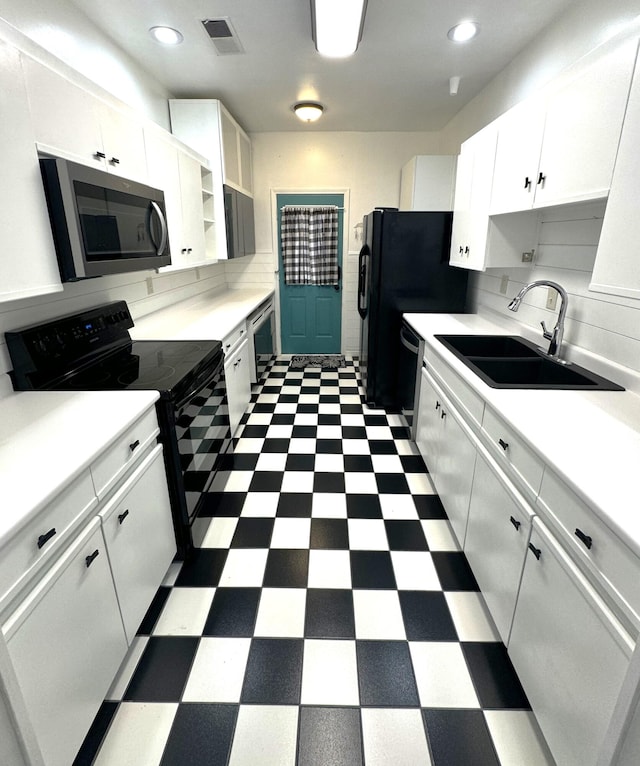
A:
(362, 281)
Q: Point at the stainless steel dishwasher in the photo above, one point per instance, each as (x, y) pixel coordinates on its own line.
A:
(409, 365)
(261, 333)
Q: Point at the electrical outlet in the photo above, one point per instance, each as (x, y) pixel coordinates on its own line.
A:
(149, 286)
(552, 298)
(527, 257)
(197, 274)
(504, 284)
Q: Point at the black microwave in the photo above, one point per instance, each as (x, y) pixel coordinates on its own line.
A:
(103, 224)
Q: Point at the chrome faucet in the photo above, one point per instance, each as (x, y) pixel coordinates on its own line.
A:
(555, 335)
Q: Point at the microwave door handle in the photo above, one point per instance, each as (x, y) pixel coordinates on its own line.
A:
(163, 228)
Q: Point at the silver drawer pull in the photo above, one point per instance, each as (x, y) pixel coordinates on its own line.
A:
(44, 539)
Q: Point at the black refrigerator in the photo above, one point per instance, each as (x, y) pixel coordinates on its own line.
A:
(403, 268)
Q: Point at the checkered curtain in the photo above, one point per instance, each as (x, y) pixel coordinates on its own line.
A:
(309, 237)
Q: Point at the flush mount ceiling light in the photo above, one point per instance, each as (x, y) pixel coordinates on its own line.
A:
(308, 111)
(336, 26)
(166, 35)
(464, 31)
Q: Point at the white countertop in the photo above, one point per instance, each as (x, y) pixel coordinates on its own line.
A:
(208, 316)
(591, 439)
(47, 438)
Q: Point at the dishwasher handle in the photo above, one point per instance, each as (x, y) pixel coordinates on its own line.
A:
(406, 342)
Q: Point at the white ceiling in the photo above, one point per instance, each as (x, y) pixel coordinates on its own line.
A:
(397, 80)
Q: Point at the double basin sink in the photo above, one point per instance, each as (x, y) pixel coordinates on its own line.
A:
(508, 361)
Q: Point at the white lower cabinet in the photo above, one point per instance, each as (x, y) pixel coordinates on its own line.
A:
(237, 373)
(448, 452)
(570, 652)
(140, 541)
(66, 642)
(496, 542)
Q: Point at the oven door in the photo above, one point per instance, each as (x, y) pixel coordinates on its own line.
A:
(196, 434)
(261, 335)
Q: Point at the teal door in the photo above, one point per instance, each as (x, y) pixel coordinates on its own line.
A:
(310, 315)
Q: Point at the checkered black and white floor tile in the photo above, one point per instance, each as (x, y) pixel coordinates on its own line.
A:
(328, 618)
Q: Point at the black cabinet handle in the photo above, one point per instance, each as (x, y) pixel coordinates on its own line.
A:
(90, 559)
(134, 445)
(443, 414)
(467, 249)
(100, 155)
(461, 250)
(541, 178)
(44, 539)
(503, 444)
(122, 516)
(437, 405)
(517, 524)
(527, 182)
(586, 539)
(536, 551)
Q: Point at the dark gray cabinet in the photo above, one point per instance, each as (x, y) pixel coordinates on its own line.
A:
(238, 209)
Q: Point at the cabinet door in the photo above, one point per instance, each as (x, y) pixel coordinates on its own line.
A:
(192, 210)
(139, 560)
(246, 176)
(123, 143)
(569, 651)
(66, 643)
(484, 153)
(28, 265)
(64, 116)
(248, 225)
(517, 156)
(496, 543)
(230, 156)
(428, 426)
(617, 268)
(582, 130)
(456, 461)
(462, 206)
(237, 372)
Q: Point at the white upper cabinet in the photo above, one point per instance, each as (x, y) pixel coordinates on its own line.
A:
(28, 265)
(70, 122)
(427, 183)
(180, 177)
(560, 147)
(617, 266)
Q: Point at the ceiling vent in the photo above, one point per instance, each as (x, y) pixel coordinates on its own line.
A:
(223, 36)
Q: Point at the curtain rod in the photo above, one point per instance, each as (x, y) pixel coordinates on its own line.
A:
(327, 207)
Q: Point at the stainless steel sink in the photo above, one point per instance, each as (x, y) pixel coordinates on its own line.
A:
(508, 361)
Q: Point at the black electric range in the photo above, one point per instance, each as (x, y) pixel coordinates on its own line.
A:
(92, 350)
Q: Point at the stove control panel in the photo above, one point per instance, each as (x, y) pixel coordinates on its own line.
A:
(44, 352)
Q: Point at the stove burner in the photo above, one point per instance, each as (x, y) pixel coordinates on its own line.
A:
(149, 375)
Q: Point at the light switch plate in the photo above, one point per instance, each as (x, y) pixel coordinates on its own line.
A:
(552, 298)
(504, 284)
(149, 286)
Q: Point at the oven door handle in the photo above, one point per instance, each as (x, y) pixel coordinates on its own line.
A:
(406, 343)
(201, 383)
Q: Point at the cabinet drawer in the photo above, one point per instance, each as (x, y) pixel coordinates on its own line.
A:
(609, 560)
(234, 337)
(510, 451)
(471, 403)
(138, 531)
(43, 534)
(124, 453)
(65, 642)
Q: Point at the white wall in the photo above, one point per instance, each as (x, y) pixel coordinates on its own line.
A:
(366, 164)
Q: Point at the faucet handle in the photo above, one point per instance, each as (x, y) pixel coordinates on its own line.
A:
(545, 333)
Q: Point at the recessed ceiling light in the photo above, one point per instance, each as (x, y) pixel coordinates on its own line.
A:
(464, 31)
(308, 111)
(166, 35)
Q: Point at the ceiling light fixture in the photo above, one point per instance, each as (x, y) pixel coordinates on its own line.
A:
(166, 35)
(336, 26)
(464, 31)
(308, 111)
